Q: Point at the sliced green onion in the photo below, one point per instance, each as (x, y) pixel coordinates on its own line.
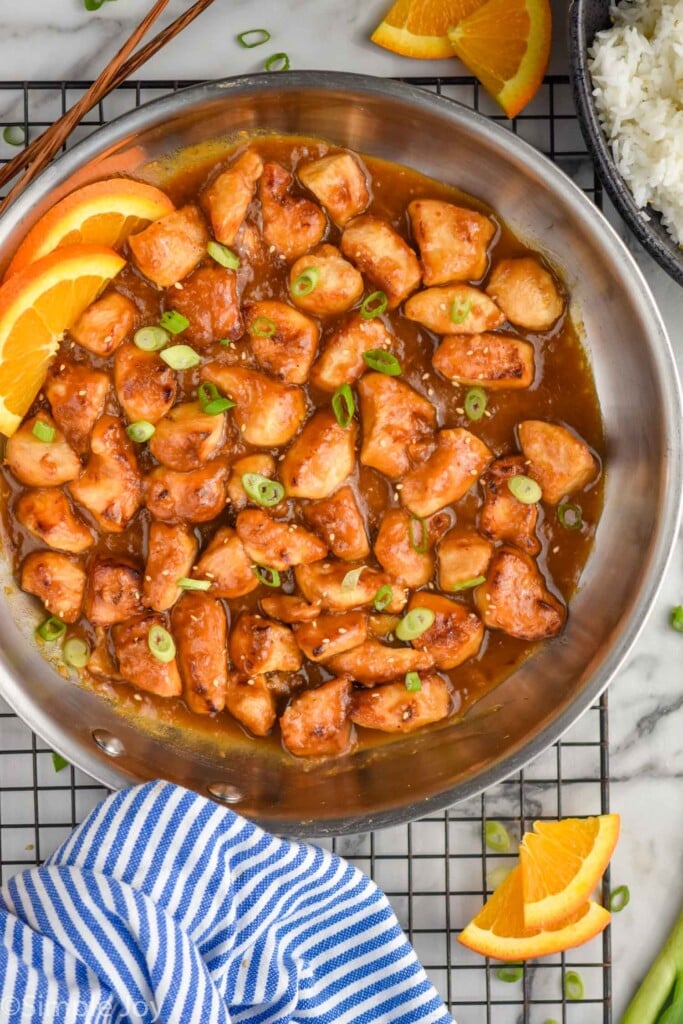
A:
(262, 490)
(524, 489)
(420, 543)
(51, 629)
(259, 37)
(551, 1021)
(475, 403)
(277, 62)
(382, 361)
(343, 405)
(263, 327)
(221, 254)
(185, 583)
(475, 581)
(510, 973)
(677, 618)
(618, 899)
(140, 431)
(413, 682)
(460, 311)
(570, 516)
(180, 357)
(497, 837)
(151, 339)
(43, 431)
(76, 652)
(383, 598)
(373, 305)
(350, 581)
(93, 5)
(573, 986)
(59, 763)
(174, 321)
(306, 281)
(213, 402)
(415, 623)
(497, 876)
(14, 135)
(161, 644)
(269, 577)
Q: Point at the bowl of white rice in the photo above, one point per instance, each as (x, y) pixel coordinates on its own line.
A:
(627, 69)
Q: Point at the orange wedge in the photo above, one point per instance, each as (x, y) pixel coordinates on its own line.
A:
(418, 28)
(562, 862)
(499, 929)
(37, 306)
(506, 44)
(104, 213)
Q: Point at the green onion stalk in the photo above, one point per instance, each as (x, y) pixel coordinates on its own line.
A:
(659, 1000)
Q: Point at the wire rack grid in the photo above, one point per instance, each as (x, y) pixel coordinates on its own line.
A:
(436, 871)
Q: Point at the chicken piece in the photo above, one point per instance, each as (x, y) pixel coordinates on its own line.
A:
(493, 361)
(316, 722)
(171, 551)
(372, 663)
(114, 591)
(457, 463)
(101, 664)
(392, 708)
(396, 548)
(138, 665)
(463, 556)
(557, 459)
(337, 285)
(197, 496)
(249, 246)
(187, 437)
(322, 583)
(397, 422)
(145, 386)
(209, 300)
(502, 516)
(170, 248)
(455, 635)
(77, 396)
(251, 702)
(46, 513)
(58, 580)
(341, 361)
(259, 645)
(260, 463)
(515, 598)
(340, 522)
(227, 565)
(201, 635)
(229, 195)
(452, 240)
(289, 608)
(110, 487)
(267, 412)
(457, 307)
(283, 340)
(290, 223)
(275, 542)
(383, 256)
(104, 324)
(527, 293)
(321, 457)
(339, 183)
(329, 635)
(39, 463)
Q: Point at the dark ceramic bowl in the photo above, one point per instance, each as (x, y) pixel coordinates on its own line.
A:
(586, 17)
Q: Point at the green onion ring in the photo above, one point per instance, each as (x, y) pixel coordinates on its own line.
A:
(51, 629)
(524, 489)
(343, 405)
(59, 763)
(420, 546)
(413, 682)
(140, 431)
(383, 598)
(161, 644)
(497, 837)
(373, 305)
(262, 489)
(180, 357)
(186, 583)
(382, 361)
(221, 254)
(174, 321)
(262, 34)
(415, 623)
(306, 281)
(570, 516)
(263, 327)
(151, 339)
(510, 973)
(275, 59)
(618, 899)
(350, 581)
(460, 311)
(475, 403)
(14, 135)
(43, 431)
(475, 581)
(213, 402)
(677, 618)
(76, 652)
(573, 986)
(269, 577)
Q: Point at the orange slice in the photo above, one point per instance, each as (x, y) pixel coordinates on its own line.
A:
(499, 930)
(562, 862)
(104, 213)
(418, 28)
(506, 44)
(36, 306)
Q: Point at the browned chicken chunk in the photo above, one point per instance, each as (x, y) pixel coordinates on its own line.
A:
(260, 463)
(209, 300)
(275, 542)
(197, 496)
(58, 580)
(252, 702)
(321, 457)
(403, 548)
(291, 224)
(502, 516)
(114, 591)
(557, 459)
(110, 487)
(329, 635)
(137, 664)
(463, 556)
(329, 585)
(77, 396)
(39, 463)
(227, 565)
(527, 293)
(283, 340)
(170, 248)
(171, 551)
(457, 463)
(187, 437)
(392, 708)
(339, 183)
(493, 361)
(383, 256)
(289, 608)
(452, 240)
(341, 361)
(397, 422)
(336, 284)
(105, 324)
(201, 634)
(316, 723)
(229, 195)
(259, 645)
(267, 413)
(455, 308)
(145, 385)
(515, 598)
(455, 635)
(46, 513)
(340, 522)
(372, 662)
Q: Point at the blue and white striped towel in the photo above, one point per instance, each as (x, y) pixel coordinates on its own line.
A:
(164, 907)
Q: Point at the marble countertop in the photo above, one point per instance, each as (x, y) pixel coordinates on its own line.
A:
(61, 40)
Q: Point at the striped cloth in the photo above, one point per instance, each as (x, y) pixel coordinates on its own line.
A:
(164, 907)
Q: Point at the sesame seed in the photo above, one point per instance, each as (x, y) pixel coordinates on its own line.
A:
(430, 391)
(474, 472)
(342, 631)
(332, 536)
(165, 572)
(460, 411)
(148, 578)
(471, 352)
(407, 714)
(399, 487)
(83, 392)
(556, 549)
(271, 248)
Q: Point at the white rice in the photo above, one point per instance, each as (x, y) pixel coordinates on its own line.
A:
(637, 69)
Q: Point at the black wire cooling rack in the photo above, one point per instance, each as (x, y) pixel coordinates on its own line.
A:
(436, 871)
